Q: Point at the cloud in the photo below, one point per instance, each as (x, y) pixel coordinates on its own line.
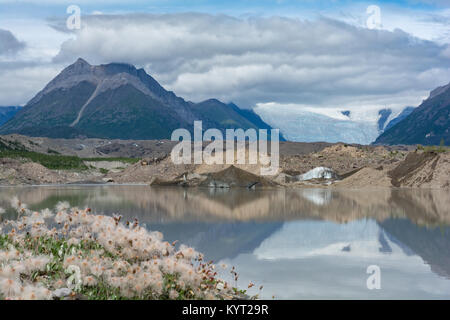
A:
(9, 43)
(26, 65)
(266, 59)
(20, 81)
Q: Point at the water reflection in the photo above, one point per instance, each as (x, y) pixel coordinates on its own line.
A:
(305, 243)
(153, 205)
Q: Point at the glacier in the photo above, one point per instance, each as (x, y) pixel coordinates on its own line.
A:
(325, 125)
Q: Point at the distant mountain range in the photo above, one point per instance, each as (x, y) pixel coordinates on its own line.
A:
(118, 101)
(428, 124)
(7, 113)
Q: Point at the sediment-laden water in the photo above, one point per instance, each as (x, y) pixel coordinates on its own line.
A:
(298, 244)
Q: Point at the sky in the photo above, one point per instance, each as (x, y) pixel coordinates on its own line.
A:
(324, 55)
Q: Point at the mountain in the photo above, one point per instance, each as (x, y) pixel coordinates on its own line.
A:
(7, 113)
(387, 118)
(428, 124)
(384, 116)
(118, 101)
(405, 112)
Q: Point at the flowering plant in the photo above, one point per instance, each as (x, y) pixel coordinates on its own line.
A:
(72, 253)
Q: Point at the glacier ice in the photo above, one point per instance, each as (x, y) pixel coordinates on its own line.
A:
(318, 173)
(308, 126)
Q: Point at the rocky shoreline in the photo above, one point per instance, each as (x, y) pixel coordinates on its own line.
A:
(346, 166)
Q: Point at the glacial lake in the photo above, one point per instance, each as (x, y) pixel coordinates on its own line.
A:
(298, 244)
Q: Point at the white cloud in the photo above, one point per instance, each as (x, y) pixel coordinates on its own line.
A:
(21, 82)
(258, 60)
(318, 63)
(30, 67)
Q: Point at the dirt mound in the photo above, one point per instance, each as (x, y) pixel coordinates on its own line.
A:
(418, 170)
(37, 172)
(235, 177)
(423, 169)
(23, 172)
(227, 178)
(147, 171)
(14, 171)
(365, 177)
(343, 150)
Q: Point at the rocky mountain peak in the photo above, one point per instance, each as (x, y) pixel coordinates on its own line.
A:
(105, 77)
(81, 62)
(80, 66)
(439, 91)
(117, 100)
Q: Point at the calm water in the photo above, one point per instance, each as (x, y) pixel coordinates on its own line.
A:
(298, 244)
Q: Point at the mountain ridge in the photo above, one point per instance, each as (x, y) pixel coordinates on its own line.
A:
(428, 124)
(402, 115)
(117, 100)
(7, 112)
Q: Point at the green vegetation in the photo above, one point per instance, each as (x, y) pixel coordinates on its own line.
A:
(118, 159)
(52, 151)
(104, 171)
(53, 160)
(50, 161)
(439, 149)
(393, 153)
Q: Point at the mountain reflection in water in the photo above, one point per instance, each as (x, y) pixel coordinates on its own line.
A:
(299, 244)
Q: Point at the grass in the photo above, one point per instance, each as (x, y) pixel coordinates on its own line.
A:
(438, 149)
(53, 160)
(52, 151)
(118, 159)
(50, 161)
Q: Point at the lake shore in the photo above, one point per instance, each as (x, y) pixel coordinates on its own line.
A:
(44, 161)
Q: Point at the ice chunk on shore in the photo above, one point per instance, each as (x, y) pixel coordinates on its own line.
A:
(318, 173)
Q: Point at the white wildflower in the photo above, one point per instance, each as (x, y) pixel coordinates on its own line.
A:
(62, 206)
(173, 294)
(9, 287)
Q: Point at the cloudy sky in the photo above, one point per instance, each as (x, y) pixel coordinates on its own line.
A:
(322, 55)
